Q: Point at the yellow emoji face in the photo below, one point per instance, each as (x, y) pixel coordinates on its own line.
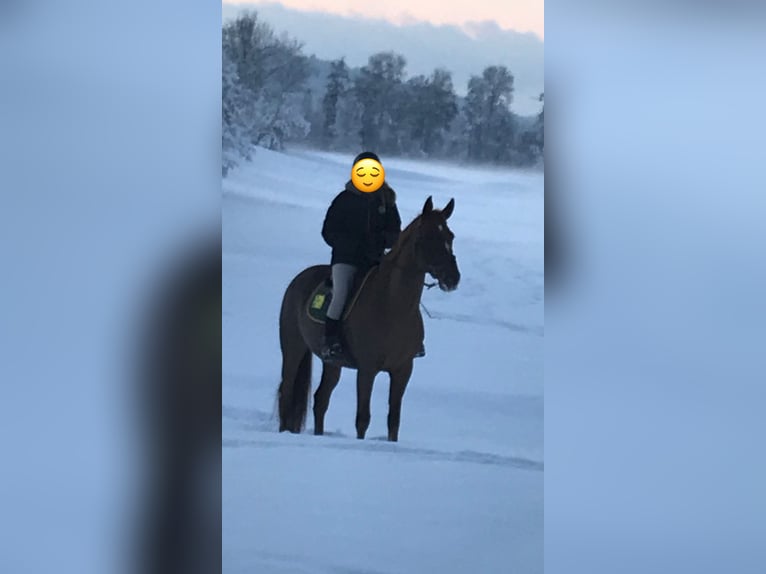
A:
(367, 175)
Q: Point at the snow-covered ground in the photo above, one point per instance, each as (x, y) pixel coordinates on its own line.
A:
(462, 490)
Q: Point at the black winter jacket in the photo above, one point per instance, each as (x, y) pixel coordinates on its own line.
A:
(361, 226)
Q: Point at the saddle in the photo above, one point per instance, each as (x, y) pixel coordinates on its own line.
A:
(320, 297)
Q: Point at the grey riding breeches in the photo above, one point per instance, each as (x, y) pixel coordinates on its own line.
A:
(342, 278)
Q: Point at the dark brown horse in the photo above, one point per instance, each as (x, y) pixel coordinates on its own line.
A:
(382, 333)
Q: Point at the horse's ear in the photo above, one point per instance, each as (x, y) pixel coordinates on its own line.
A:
(429, 206)
(447, 211)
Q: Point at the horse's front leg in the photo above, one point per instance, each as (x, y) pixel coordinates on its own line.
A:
(330, 377)
(364, 380)
(399, 379)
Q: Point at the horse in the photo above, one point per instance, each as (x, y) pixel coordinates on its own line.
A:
(382, 333)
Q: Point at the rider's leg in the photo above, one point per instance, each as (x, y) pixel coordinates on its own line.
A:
(342, 278)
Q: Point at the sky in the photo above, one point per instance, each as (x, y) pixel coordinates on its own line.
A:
(519, 15)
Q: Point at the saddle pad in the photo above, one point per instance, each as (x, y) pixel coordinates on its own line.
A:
(319, 301)
(320, 298)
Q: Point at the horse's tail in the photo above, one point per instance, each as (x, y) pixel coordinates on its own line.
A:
(294, 396)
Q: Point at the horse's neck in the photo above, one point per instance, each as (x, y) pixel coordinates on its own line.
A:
(404, 279)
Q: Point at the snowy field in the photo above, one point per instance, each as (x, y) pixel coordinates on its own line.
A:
(462, 490)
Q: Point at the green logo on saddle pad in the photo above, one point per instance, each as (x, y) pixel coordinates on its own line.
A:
(318, 301)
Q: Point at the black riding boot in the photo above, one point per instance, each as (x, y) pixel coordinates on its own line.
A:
(422, 351)
(332, 348)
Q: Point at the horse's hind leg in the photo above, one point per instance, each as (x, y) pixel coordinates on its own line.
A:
(330, 378)
(295, 385)
(399, 379)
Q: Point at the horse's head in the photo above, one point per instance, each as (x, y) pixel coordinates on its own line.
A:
(434, 245)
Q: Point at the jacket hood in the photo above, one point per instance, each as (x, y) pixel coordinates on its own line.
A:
(352, 188)
(386, 192)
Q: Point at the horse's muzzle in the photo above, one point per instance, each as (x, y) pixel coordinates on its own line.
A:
(449, 281)
(448, 286)
(446, 274)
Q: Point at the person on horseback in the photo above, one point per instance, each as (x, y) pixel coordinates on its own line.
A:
(361, 223)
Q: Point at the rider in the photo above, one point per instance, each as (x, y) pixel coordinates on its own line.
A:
(361, 223)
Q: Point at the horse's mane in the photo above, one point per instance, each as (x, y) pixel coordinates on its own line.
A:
(403, 239)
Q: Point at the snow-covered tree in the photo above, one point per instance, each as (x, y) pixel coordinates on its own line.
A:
(541, 126)
(490, 124)
(529, 147)
(379, 91)
(431, 105)
(280, 120)
(348, 122)
(337, 87)
(237, 121)
(264, 75)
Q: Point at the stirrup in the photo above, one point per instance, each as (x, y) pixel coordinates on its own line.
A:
(333, 352)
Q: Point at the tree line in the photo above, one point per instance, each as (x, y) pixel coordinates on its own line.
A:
(273, 94)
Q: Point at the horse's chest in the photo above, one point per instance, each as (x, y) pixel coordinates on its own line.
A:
(390, 338)
(401, 337)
